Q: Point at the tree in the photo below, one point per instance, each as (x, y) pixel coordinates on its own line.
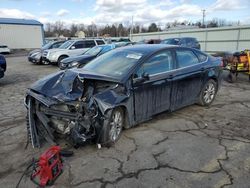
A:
(120, 30)
(58, 28)
(152, 28)
(49, 30)
(73, 30)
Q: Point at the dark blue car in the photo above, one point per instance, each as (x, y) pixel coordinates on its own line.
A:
(81, 60)
(3, 66)
(118, 90)
(183, 41)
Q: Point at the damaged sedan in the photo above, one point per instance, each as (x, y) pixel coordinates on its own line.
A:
(117, 90)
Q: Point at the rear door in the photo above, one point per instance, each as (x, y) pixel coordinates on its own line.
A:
(153, 96)
(188, 78)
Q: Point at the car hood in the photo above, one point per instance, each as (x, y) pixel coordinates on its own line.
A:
(67, 85)
(79, 58)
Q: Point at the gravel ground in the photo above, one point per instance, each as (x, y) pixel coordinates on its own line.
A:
(192, 147)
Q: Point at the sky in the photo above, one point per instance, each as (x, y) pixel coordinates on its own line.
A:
(104, 12)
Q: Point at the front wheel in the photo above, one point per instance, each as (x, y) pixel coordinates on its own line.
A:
(60, 59)
(208, 93)
(113, 129)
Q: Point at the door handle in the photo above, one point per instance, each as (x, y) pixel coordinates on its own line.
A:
(170, 77)
(202, 69)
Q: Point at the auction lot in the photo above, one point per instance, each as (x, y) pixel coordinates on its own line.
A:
(192, 147)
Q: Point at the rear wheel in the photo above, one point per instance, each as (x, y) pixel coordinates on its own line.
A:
(208, 93)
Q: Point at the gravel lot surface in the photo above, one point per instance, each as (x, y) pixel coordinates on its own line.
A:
(192, 147)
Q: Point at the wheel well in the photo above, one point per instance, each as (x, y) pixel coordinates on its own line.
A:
(126, 117)
(214, 79)
(62, 56)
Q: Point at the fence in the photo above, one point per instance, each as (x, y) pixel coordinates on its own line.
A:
(211, 39)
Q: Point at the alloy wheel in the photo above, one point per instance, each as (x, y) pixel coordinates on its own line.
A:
(209, 93)
(116, 125)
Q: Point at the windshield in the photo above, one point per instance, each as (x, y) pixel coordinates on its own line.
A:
(46, 46)
(66, 44)
(94, 51)
(114, 63)
(174, 41)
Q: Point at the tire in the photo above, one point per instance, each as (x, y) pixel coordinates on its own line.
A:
(208, 93)
(45, 62)
(60, 59)
(113, 127)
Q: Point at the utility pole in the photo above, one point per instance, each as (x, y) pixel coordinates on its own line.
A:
(132, 27)
(203, 17)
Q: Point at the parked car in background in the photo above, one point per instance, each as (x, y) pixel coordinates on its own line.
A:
(81, 60)
(183, 41)
(70, 48)
(117, 39)
(4, 49)
(149, 41)
(117, 90)
(3, 65)
(35, 56)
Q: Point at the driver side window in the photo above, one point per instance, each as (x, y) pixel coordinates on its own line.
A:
(158, 63)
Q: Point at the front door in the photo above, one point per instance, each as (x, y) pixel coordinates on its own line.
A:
(152, 95)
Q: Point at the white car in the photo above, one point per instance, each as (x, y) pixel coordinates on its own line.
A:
(4, 49)
(70, 48)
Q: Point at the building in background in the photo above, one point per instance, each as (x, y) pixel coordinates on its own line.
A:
(21, 33)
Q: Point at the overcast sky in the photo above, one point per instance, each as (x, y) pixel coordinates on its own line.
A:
(116, 11)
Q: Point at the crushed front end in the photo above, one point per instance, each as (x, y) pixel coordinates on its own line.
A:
(72, 110)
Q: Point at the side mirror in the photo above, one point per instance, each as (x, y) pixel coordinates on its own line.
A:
(144, 77)
(72, 47)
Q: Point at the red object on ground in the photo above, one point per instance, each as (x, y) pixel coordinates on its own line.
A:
(49, 166)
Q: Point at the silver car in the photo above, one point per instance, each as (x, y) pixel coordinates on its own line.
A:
(69, 49)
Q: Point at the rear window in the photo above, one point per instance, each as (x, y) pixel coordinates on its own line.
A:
(3, 46)
(186, 58)
(202, 57)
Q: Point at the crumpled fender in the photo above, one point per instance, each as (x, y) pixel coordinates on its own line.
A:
(109, 99)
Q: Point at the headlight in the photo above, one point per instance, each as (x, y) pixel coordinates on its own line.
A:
(74, 64)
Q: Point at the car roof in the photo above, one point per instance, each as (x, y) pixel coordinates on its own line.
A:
(147, 48)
